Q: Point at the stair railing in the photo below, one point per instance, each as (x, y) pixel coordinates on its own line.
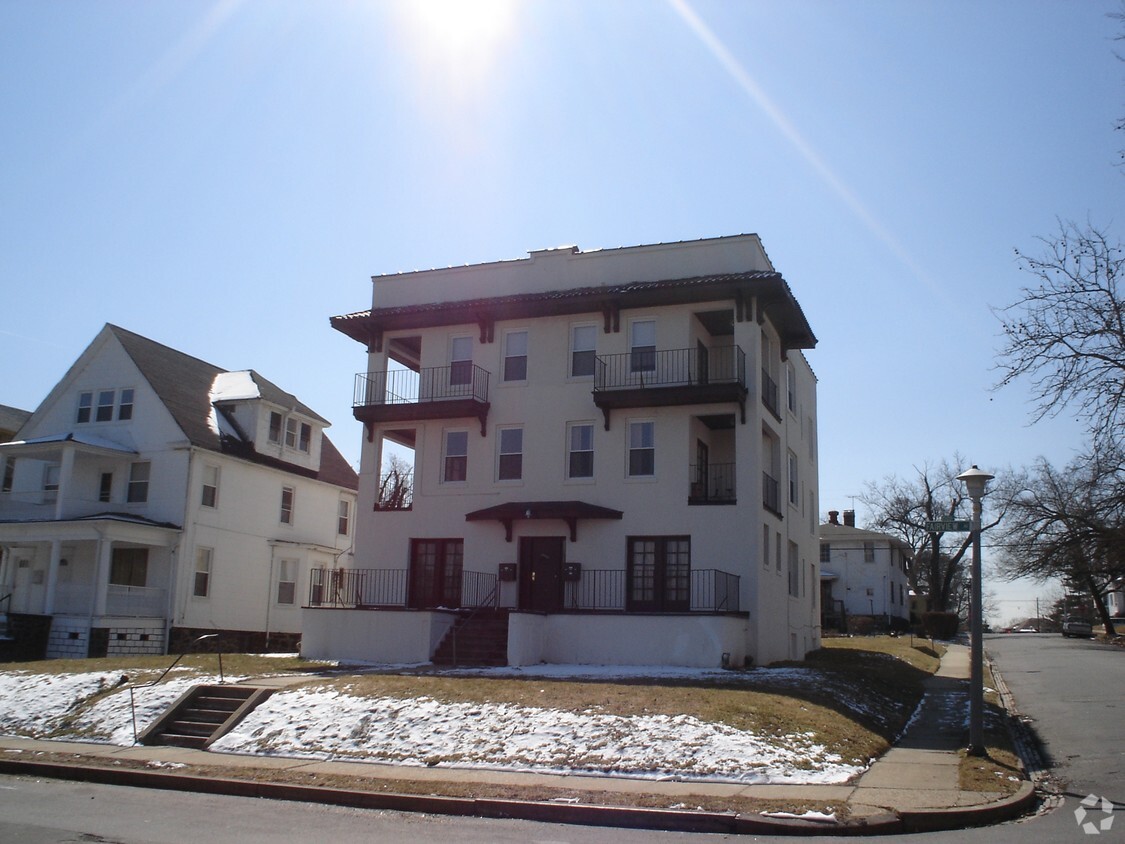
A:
(491, 601)
(132, 699)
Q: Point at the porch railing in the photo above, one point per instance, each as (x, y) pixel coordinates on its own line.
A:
(136, 601)
(643, 368)
(712, 483)
(712, 590)
(405, 386)
(351, 588)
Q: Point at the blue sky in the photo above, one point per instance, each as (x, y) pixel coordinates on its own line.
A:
(225, 176)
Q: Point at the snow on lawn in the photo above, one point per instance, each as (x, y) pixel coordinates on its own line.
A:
(423, 731)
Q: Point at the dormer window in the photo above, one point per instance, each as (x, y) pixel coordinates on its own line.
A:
(298, 434)
(275, 428)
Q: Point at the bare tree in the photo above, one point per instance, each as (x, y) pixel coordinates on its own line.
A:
(905, 509)
(396, 486)
(1069, 524)
(1068, 333)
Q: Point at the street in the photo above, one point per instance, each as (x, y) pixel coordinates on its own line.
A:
(1071, 690)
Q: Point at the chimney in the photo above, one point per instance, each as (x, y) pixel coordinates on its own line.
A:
(833, 517)
(849, 518)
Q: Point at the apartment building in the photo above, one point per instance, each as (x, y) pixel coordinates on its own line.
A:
(613, 451)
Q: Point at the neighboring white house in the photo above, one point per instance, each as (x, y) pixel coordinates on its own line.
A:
(618, 446)
(11, 420)
(152, 498)
(862, 573)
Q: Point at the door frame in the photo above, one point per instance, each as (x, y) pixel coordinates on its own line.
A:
(541, 557)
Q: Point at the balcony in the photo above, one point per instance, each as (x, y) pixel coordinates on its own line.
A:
(606, 590)
(651, 378)
(403, 395)
(769, 395)
(712, 483)
(771, 497)
(370, 588)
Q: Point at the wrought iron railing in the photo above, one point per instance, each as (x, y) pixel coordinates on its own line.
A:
(712, 483)
(437, 383)
(387, 588)
(769, 395)
(771, 497)
(642, 369)
(712, 590)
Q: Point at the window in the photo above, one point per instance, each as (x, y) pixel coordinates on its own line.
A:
(515, 356)
(129, 567)
(791, 387)
(202, 585)
(659, 573)
(777, 553)
(210, 486)
(287, 581)
(275, 428)
(9, 475)
(85, 406)
(105, 487)
(825, 552)
(794, 572)
(343, 516)
(291, 433)
(642, 346)
(138, 482)
(580, 450)
(51, 482)
(461, 361)
(765, 546)
(435, 572)
(794, 487)
(582, 342)
(511, 454)
(305, 438)
(288, 494)
(105, 406)
(456, 462)
(642, 450)
(869, 552)
(125, 407)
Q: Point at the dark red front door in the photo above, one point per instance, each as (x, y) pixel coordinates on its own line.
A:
(541, 573)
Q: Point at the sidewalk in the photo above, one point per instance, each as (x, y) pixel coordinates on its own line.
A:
(913, 787)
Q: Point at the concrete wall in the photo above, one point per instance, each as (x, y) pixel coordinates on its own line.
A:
(391, 637)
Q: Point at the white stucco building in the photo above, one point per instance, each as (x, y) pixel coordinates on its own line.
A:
(862, 573)
(153, 497)
(617, 448)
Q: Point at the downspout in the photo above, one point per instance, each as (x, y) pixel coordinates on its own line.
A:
(269, 589)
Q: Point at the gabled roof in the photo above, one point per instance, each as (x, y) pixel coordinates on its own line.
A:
(12, 418)
(837, 533)
(184, 384)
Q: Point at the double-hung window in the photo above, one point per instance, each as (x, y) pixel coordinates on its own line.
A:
(461, 362)
(515, 356)
(642, 346)
(201, 588)
(288, 496)
(456, 460)
(104, 412)
(105, 487)
(343, 517)
(85, 407)
(794, 487)
(210, 497)
(642, 449)
(125, 406)
(275, 427)
(582, 343)
(580, 450)
(139, 474)
(869, 552)
(511, 455)
(826, 552)
(287, 582)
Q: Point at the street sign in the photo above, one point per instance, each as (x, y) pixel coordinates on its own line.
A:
(943, 525)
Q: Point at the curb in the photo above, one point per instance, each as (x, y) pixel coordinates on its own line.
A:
(670, 820)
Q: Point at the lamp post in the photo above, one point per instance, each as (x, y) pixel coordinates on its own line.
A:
(975, 481)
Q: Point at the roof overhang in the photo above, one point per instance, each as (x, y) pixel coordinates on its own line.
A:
(567, 511)
(49, 446)
(117, 527)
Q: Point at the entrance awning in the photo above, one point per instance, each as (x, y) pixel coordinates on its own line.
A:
(567, 511)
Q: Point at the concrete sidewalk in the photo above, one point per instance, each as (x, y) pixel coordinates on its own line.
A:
(913, 787)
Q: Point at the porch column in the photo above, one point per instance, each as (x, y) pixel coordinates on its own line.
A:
(101, 575)
(52, 576)
(66, 474)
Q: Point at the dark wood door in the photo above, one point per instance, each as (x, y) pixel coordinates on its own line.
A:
(541, 573)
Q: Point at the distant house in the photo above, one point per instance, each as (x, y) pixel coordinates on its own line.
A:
(862, 573)
(11, 420)
(153, 498)
(614, 458)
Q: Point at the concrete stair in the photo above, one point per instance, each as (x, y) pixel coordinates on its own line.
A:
(480, 638)
(203, 714)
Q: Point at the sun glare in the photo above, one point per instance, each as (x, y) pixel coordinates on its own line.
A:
(465, 36)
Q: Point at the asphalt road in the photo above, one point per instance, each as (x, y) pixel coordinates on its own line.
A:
(1072, 690)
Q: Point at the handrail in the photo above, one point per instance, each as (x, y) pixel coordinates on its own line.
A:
(492, 598)
(132, 700)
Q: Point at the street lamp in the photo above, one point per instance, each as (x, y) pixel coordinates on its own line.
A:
(975, 481)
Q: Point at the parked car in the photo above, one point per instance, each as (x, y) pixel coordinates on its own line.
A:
(1075, 626)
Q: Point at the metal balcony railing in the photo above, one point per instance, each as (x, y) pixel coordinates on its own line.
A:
(712, 483)
(769, 395)
(712, 590)
(352, 588)
(432, 384)
(647, 368)
(771, 498)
